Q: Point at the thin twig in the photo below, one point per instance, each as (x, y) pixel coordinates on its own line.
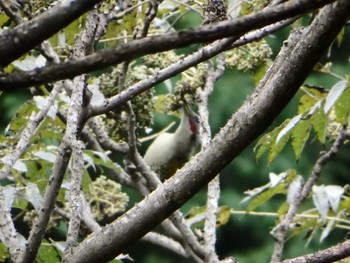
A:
(213, 194)
(280, 231)
(165, 242)
(28, 132)
(74, 197)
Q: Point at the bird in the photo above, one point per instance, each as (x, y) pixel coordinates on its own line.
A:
(170, 151)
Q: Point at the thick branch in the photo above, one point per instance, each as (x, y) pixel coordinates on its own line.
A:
(154, 44)
(328, 255)
(17, 41)
(246, 124)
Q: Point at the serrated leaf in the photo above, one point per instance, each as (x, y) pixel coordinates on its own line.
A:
(264, 143)
(268, 143)
(342, 107)
(45, 155)
(20, 166)
(265, 196)
(305, 103)
(300, 135)
(329, 227)
(34, 196)
(319, 123)
(288, 127)
(334, 194)
(334, 94)
(277, 148)
(294, 189)
(320, 199)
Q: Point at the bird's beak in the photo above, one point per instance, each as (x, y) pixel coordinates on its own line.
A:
(188, 110)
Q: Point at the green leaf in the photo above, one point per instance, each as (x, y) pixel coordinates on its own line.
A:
(4, 256)
(45, 155)
(342, 107)
(47, 253)
(300, 135)
(260, 72)
(334, 94)
(20, 120)
(223, 215)
(288, 128)
(265, 196)
(319, 123)
(268, 142)
(130, 19)
(303, 224)
(196, 216)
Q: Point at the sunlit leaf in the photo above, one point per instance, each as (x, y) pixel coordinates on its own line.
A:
(223, 215)
(326, 231)
(34, 196)
(265, 196)
(268, 143)
(294, 189)
(334, 194)
(320, 199)
(334, 94)
(290, 125)
(45, 155)
(20, 166)
(326, 197)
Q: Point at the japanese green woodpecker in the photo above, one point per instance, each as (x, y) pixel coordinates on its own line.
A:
(170, 151)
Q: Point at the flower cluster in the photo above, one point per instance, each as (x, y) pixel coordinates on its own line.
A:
(248, 57)
(106, 198)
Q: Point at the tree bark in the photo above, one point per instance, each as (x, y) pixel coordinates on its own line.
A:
(137, 48)
(278, 87)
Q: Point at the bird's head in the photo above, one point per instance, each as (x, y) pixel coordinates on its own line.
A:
(192, 118)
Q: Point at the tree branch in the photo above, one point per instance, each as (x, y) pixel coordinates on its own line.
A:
(281, 230)
(328, 255)
(213, 194)
(24, 37)
(256, 114)
(153, 44)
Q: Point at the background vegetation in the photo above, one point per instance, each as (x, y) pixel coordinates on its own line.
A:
(243, 236)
